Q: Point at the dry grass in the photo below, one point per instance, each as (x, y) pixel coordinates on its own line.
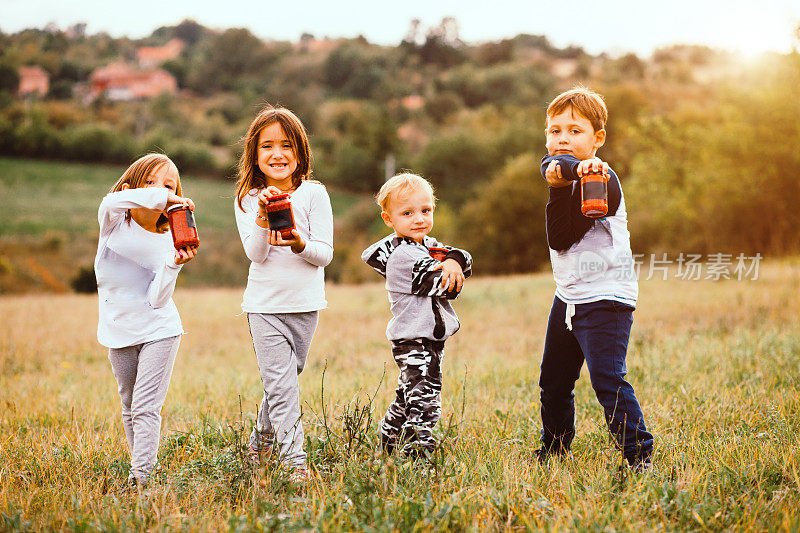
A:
(713, 363)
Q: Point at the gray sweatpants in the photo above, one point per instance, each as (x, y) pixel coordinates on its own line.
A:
(281, 342)
(143, 372)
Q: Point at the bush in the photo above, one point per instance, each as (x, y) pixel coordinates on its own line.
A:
(453, 163)
(84, 281)
(503, 225)
(192, 158)
(37, 139)
(95, 142)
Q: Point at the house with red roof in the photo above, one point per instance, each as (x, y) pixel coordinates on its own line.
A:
(121, 82)
(33, 81)
(150, 57)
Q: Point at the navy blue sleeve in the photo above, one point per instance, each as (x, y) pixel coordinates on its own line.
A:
(568, 163)
(565, 223)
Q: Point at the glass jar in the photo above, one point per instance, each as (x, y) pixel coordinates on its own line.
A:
(182, 226)
(594, 195)
(280, 216)
(438, 253)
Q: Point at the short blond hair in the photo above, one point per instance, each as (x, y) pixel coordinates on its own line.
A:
(400, 185)
(583, 100)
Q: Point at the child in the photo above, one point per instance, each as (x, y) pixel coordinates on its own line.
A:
(136, 268)
(596, 289)
(286, 285)
(422, 318)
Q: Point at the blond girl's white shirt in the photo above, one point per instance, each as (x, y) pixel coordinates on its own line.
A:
(136, 273)
(281, 281)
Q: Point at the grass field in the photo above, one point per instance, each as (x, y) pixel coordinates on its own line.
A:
(48, 224)
(715, 365)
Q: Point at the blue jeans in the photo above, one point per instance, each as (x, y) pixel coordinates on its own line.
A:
(599, 335)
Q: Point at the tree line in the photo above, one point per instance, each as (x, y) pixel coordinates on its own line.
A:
(688, 131)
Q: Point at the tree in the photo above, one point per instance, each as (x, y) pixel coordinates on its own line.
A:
(503, 222)
(9, 78)
(232, 56)
(442, 44)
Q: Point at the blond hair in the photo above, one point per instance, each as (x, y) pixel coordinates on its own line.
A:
(583, 100)
(136, 177)
(400, 185)
(249, 176)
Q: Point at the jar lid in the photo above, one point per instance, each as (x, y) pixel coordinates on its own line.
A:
(176, 207)
(279, 197)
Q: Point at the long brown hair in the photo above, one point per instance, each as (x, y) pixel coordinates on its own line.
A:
(249, 175)
(136, 177)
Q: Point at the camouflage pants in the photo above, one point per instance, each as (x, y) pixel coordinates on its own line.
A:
(410, 418)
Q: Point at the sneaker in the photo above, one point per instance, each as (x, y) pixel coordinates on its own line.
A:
(129, 485)
(300, 476)
(543, 454)
(642, 467)
(133, 485)
(257, 457)
(387, 445)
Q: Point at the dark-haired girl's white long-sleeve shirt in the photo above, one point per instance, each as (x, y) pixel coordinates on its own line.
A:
(279, 280)
(136, 273)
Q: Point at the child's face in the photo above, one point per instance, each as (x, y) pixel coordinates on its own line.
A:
(164, 175)
(275, 156)
(411, 215)
(570, 133)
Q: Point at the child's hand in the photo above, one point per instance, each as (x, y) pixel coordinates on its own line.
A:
(296, 242)
(265, 194)
(553, 175)
(184, 255)
(592, 166)
(263, 198)
(452, 275)
(174, 199)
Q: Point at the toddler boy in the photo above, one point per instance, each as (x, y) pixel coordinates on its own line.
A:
(419, 289)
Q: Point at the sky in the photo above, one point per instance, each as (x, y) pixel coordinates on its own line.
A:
(612, 26)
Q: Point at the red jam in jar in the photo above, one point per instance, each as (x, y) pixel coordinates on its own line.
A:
(594, 195)
(280, 216)
(182, 226)
(438, 253)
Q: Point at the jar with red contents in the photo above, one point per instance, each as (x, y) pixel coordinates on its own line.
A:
(440, 254)
(280, 216)
(182, 226)
(594, 195)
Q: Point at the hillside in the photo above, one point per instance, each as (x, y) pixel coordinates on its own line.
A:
(685, 135)
(48, 225)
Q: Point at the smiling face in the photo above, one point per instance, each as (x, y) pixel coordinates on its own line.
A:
(276, 157)
(410, 214)
(570, 133)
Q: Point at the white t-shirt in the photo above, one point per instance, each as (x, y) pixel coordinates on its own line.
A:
(136, 273)
(600, 266)
(281, 281)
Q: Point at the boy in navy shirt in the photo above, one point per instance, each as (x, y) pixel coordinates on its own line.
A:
(596, 286)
